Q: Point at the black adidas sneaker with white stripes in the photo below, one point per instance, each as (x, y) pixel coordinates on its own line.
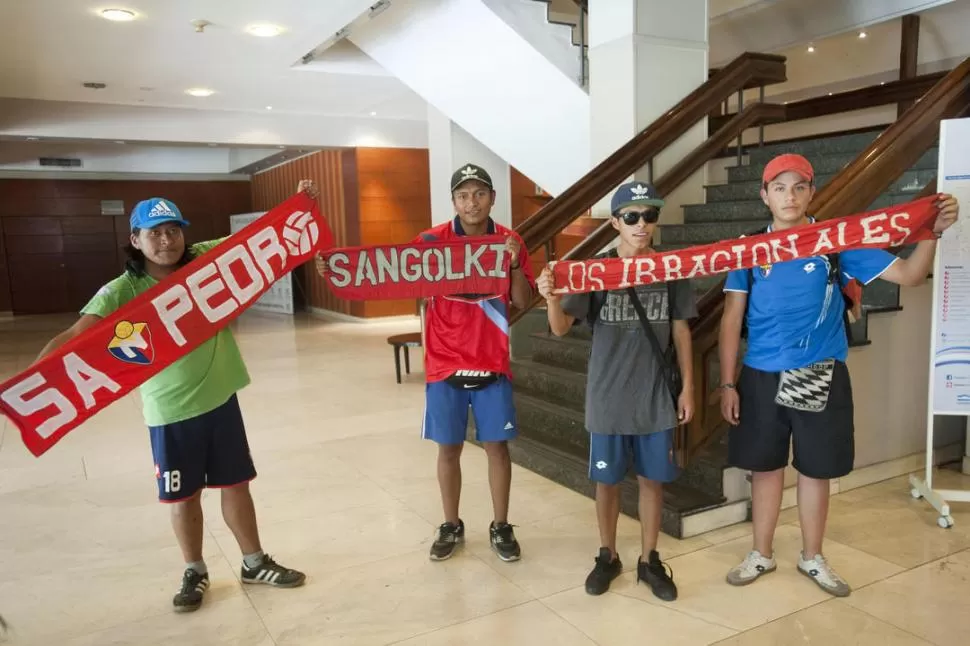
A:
(272, 573)
(189, 597)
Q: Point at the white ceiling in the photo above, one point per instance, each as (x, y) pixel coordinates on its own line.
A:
(48, 48)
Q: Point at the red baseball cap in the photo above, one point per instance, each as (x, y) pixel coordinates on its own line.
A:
(788, 162)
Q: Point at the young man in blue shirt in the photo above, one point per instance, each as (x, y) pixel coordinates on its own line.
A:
(794, 318)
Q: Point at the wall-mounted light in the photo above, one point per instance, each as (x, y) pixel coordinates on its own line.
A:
(862, 34)
(811, 49)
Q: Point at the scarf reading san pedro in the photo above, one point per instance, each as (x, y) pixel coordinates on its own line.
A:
(160, 325)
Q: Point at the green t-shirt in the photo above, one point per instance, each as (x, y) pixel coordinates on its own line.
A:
(197, 383)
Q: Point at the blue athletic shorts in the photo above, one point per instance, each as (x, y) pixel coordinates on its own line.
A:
(210, 450)
(609, 456)
(446, 412)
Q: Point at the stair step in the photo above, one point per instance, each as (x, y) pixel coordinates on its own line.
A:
(755, 209)
(567, 352)
(708, 232)
(825, 164)
(909, 183)
(559, 426)
(550, 383)
(853, 143)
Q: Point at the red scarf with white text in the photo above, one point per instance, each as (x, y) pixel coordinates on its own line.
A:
(160, 325)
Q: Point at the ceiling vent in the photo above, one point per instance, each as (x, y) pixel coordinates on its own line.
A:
(60, 162)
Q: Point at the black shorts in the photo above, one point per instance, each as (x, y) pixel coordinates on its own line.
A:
(210, 450)
(823, 443)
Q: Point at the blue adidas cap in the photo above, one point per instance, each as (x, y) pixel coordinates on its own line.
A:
(154, 211)
(635, 194)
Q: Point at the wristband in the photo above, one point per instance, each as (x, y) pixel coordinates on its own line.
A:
(729, 386)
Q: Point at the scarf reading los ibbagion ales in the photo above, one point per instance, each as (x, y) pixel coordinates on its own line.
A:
(166, 322)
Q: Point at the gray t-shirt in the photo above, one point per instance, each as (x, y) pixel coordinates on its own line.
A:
(625, 390)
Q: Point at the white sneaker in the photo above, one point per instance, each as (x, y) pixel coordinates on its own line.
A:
(753, 566)
(822, 573)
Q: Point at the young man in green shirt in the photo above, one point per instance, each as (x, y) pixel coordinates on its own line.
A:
(197, 433)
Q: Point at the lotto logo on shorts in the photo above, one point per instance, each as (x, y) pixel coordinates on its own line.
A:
(132, 343)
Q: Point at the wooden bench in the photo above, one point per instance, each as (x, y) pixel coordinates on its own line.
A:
(406, 341)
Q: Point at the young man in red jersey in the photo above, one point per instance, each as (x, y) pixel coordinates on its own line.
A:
(467, 366)
(466, 344)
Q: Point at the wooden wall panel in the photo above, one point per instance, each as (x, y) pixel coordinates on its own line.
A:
(53, 231)
(326, 168)
(394, 185)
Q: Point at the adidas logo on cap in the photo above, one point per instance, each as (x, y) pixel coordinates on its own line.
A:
(161, 210)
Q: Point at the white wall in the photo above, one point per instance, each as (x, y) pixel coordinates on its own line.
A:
(530, 20)
(464, 60)
(46, 119)
(115, 158)
(242, 157)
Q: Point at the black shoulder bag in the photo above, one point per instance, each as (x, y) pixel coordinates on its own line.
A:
(668, 360)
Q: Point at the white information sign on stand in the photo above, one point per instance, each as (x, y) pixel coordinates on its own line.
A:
(949, 384)
(279, 297)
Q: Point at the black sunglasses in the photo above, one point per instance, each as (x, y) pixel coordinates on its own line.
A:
(630, 218)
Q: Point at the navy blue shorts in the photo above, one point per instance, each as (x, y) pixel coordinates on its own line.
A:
(446, 412)
(210, 450)
(653, 457)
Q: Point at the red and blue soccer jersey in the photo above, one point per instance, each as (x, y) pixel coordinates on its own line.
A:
(468, 331)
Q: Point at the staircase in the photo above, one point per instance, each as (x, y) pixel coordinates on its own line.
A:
(550, 372)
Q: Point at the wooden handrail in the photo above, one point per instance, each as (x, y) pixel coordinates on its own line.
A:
(597, 183)
(751, 116)
(873, 96)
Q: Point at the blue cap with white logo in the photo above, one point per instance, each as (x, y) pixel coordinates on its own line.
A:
(154, 211)
(633, 194)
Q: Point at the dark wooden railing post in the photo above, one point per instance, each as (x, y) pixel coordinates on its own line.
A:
(908, 56)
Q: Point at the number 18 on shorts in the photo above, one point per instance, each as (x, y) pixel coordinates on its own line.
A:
(210, 450)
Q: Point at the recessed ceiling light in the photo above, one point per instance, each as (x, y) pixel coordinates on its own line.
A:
(269, 107)
(33, 138)
(199, 91)
(264, 30)
(281, 146)
(373, 114)
(811, 49)
(213, 145)
(862, 34)
(882, 83)
(118, 141)
(118, 15)
(830, 94)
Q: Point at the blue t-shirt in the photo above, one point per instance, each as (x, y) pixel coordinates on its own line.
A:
(791, 323)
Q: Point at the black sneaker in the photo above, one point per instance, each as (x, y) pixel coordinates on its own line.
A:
(655, 574)
(446, 540)
(272, 573)
(606, 569)
(189, 597)
(503, 541)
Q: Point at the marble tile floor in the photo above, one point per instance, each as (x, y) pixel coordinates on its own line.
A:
(346, 491)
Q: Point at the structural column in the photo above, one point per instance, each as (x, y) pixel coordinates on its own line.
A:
(450, 146)
(644, 57)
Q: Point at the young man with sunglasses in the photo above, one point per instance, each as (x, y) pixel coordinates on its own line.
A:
(794, 313)
(630, 408)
